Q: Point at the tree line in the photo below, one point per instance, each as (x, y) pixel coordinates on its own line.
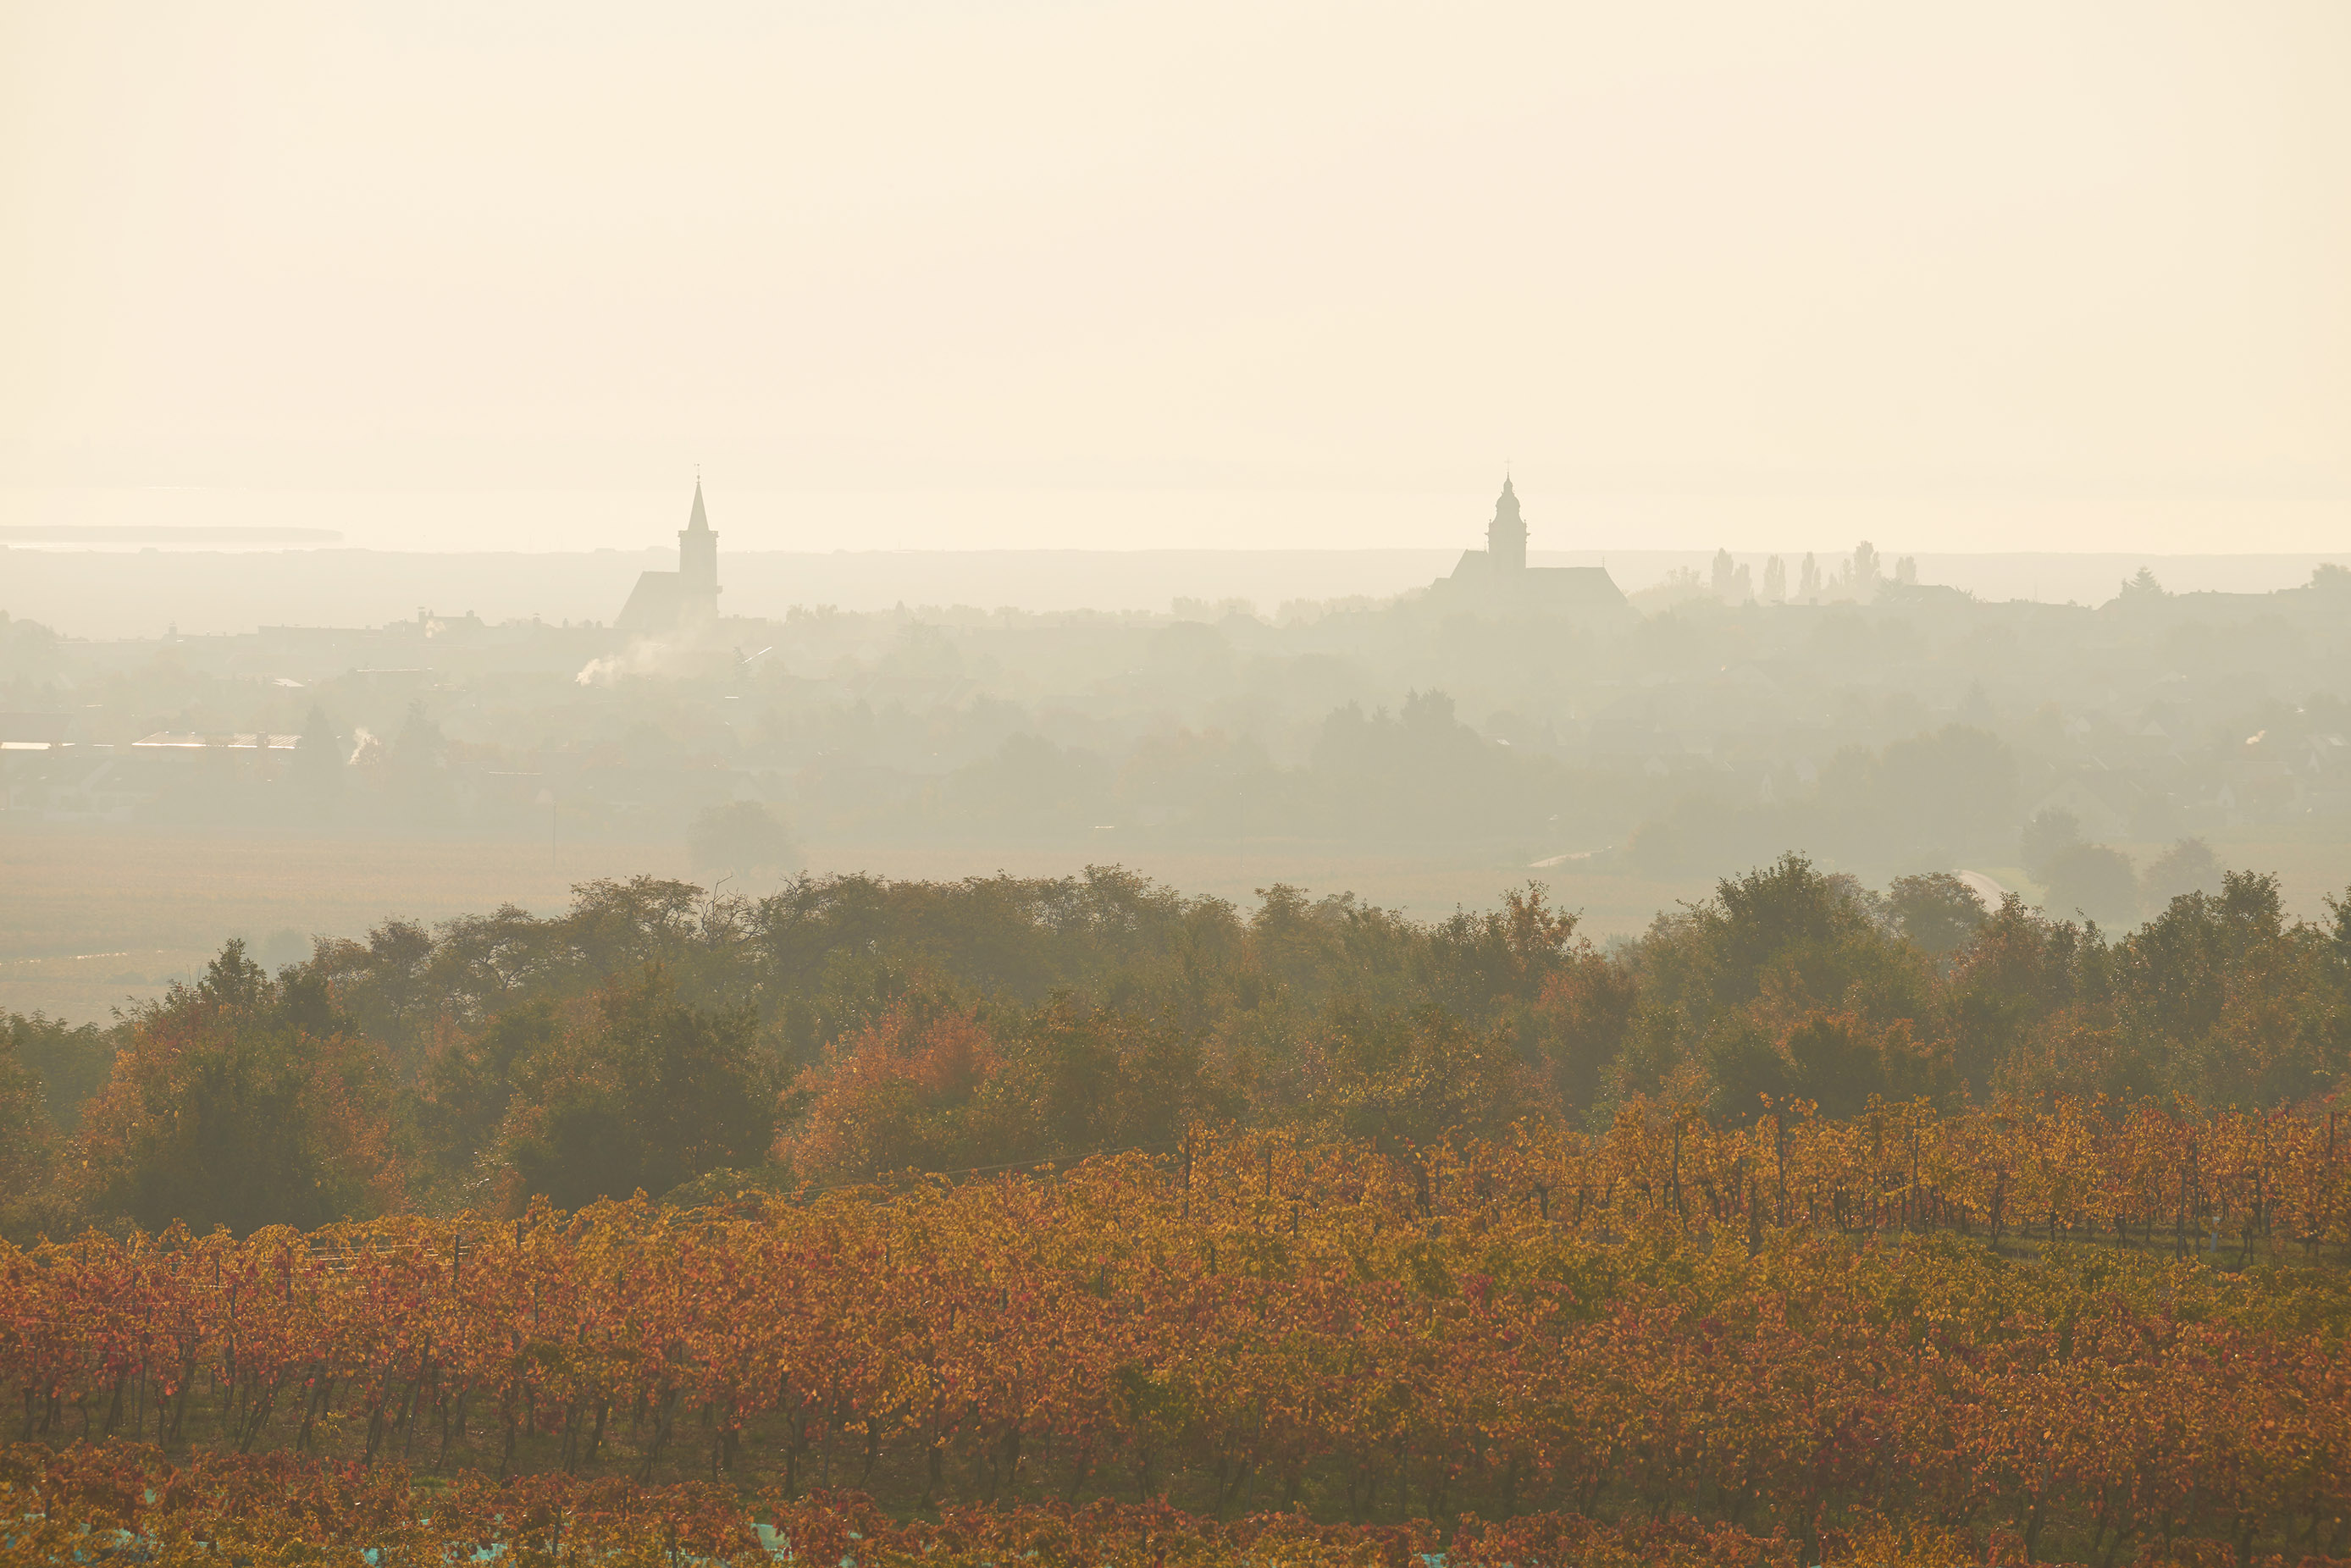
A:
(659, 1037)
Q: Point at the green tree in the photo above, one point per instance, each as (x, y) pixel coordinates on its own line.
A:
(2019, 969)
(1837, 1063)
(467, 1085)
(71, 1060)
(1780, 943)
(27, 1139)
(2223, 1000)
(647, 1093)
(1746, 1069)
(1936, 910)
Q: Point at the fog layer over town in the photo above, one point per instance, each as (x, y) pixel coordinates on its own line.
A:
(1508, 721)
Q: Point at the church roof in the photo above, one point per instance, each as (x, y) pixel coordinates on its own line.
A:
(654, 604)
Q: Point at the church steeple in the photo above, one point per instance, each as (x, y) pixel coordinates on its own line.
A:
(1506, 535)
(697, 561)
(666, 601)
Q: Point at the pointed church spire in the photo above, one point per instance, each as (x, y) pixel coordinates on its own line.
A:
(700, 521)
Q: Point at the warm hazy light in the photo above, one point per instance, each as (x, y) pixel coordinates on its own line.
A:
(2002, 277)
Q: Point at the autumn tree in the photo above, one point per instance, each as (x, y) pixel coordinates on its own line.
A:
(244, 1102)
(896, 1095)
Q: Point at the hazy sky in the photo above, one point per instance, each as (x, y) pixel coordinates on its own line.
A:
(2042, 275)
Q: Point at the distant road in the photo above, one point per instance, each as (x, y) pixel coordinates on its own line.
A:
(127, 533)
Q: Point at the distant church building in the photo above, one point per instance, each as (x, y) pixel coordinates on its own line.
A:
(1498, 576)
(664, 601)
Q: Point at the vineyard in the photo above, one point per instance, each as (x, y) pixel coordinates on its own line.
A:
(280, 1508)
(2084, 1333)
